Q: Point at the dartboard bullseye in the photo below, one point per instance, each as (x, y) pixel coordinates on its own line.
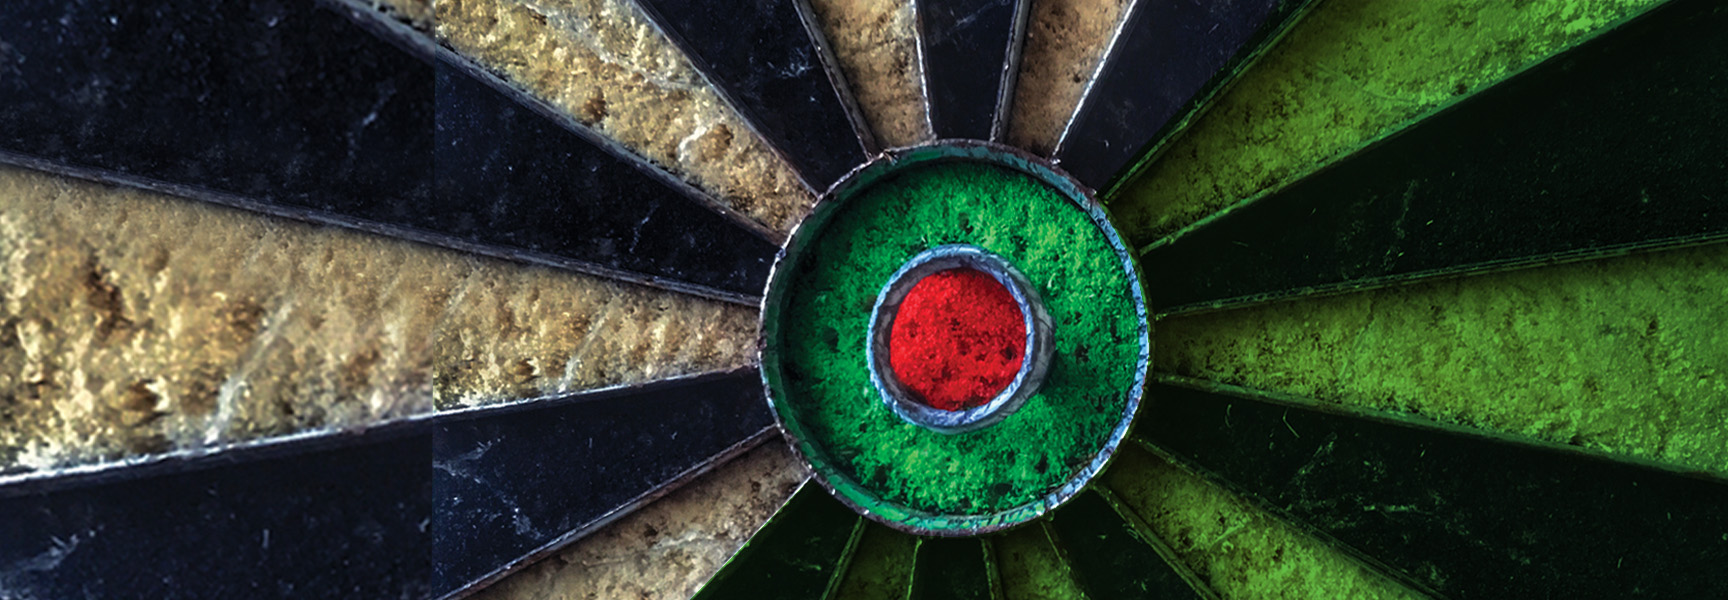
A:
(955, 339)
(512, 299)
(958, 340)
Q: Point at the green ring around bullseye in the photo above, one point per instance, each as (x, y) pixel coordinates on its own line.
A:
(817, 309)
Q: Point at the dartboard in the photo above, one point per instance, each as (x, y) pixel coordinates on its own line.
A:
(863, 299)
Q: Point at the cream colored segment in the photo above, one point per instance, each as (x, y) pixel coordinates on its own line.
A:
(1348, 73)
(1236, 548)
(529, 332)
(1065, 39)
(133, 323)
(670, 547)
(1625, 355)
(601, 62)
(875, 44)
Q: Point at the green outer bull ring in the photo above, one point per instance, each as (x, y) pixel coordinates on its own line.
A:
(832, 476)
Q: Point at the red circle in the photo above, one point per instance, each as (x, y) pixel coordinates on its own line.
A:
(958, 339)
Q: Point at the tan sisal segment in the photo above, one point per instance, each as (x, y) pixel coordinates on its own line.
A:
(874, 42)
(1065, 39)
(1625, 355)
(133, 323)
(601, 62)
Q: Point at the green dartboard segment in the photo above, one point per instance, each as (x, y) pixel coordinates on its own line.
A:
(817, 313)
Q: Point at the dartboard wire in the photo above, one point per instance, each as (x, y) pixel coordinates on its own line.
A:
(1459, 225)
(919, 53)
(851, 551)
(837, 77)
(377, 19)
(1329, 163)
(992, 570)
(631, 506)
(594, 394)
(1415, 421)
(201, 457)
(1462, 272)
(315, 440)
(1098, 70)
(1272, 511)
(417, 44)
(1063, 560)
(1010, 80)
(422, 45)
(862, 134)
(1157, 542)
(407, 234)
(1000, 101)
(1188, 115)
(918, 582)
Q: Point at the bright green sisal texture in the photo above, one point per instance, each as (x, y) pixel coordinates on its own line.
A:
(1073, 268)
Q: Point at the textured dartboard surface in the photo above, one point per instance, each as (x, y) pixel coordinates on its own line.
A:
(463, 298)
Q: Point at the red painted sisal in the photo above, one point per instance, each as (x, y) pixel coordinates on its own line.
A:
(958, 339)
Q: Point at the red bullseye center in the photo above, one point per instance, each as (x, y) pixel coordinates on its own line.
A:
(958, 339)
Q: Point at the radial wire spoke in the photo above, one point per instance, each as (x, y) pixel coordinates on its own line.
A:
(1610, 148)
(1115, 559)
(971, 54)
(770, 62)
(800, 553)
(881, 567)
(514, 178)
(327, 516)
(954, 568)
(293, 109)
(1465, 516)
(1033, 567)
(516, 481)
(1168, 57)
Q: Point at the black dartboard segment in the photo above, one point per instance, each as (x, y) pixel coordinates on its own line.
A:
(1615, 146)
(302, 520)
(761, 54)
(507, 176)
(971, 53)
(291, 108)
(1110, 558)
(1465, 516)
(284, 103)
(1168, 55)
(513, 480)
(799, 554)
